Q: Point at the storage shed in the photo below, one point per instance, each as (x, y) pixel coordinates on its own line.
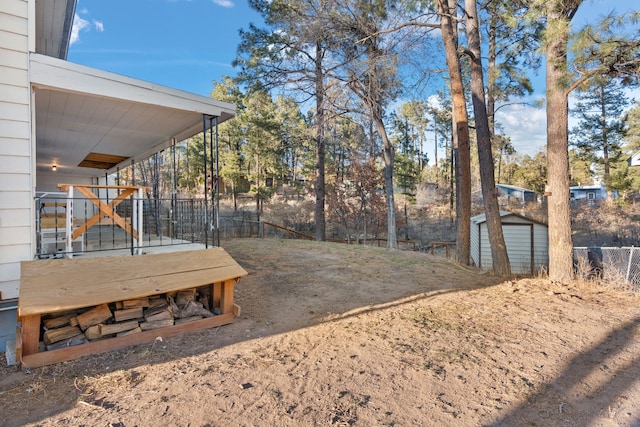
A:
(527, 243)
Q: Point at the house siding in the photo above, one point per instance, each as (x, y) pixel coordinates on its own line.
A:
(16, 163)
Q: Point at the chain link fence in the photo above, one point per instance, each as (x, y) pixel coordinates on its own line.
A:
(621, 265)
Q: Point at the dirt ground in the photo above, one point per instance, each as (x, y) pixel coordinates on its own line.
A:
(333, 334)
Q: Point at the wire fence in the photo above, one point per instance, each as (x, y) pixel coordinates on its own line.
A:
(608, 264)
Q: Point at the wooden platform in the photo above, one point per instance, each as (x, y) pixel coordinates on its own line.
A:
(57, 285)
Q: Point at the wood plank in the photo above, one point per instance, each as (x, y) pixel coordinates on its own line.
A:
(226, 299)
(132, 331)
(66, 287)
(18, 355)
(156, 324)
(95, 347)
(30, 334)
(187, 319)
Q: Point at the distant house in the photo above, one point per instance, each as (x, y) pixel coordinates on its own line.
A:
(518, 193)
(591, 193)
(634, 160)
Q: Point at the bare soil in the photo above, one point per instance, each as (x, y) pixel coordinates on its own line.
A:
(333, 334)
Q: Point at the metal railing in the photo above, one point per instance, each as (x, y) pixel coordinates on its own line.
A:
(164, 222)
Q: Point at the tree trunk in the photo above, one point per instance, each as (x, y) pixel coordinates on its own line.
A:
(489, 194)
(388, 156)
(319, 217)
(447, 8)
(560, 244)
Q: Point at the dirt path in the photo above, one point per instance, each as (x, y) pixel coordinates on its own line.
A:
(341, 335)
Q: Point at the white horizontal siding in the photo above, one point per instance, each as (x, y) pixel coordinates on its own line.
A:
(15, 181)
(14, 164)
(14, 147)
(16, 211)
(15, 218)
(13, 58)
(18, 8)
(15, 235)
(15, 253)
(10, 289)
(14, 129)
(13, 41)
(13, 76)
(15, 199)
(12, 23)
(14, 94)
(13, 111)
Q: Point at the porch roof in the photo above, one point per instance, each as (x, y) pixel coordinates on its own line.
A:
(81, 111)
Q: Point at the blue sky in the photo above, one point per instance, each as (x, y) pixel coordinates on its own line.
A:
(186, 44)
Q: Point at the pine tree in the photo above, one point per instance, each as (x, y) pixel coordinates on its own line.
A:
(598, 135)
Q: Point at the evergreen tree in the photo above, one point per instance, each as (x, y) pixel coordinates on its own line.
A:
(598, 135)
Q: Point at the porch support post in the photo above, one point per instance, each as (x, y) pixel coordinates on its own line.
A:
(217, 193)
(206, 198)
(69, 224)
(139, 219)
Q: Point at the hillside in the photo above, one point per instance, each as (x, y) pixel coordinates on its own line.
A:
(341, 335)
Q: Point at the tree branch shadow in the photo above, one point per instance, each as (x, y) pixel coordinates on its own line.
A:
(592, 387)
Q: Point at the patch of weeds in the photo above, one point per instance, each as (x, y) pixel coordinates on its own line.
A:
(430, 321)
(276, 394)
(111, 381)
(451, 355)
(209, 369)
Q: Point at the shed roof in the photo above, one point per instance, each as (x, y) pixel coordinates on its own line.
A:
(481, 218)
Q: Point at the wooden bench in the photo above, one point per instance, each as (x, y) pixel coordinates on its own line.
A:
(59, 285)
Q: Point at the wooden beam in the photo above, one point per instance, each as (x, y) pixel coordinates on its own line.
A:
(30, 334)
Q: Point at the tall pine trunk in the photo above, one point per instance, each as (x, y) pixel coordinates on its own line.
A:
(319, 216)
(485, 156)
(560, 243)
(461, 147)
(388, 156)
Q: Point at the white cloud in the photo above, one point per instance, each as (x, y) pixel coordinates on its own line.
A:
(79, 24)
(526, 126)
(224, 3)
(99, 26)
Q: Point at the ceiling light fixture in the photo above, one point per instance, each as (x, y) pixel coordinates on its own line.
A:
(54, 167)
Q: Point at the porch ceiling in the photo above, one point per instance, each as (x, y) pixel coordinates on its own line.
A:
(81, 110)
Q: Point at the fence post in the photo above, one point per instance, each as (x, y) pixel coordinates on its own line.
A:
(629, 264)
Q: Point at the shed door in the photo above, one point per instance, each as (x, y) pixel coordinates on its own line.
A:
(518, 241)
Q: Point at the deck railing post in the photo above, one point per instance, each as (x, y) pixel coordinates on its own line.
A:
(69, 223)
